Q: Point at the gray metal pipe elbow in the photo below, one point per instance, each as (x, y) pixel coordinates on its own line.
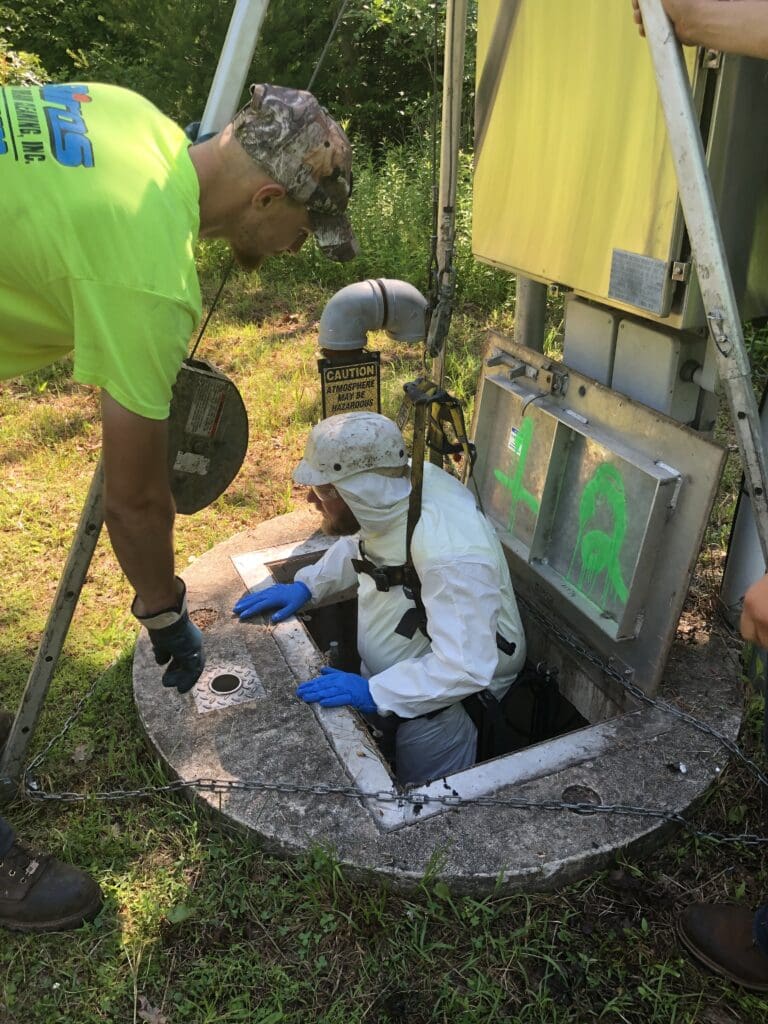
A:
(374, 305)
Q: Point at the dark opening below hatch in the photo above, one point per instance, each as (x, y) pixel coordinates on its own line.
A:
(534, 706)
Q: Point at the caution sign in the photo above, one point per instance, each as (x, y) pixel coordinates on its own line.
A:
(350, 385)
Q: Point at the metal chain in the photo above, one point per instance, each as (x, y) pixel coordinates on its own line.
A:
(415, 800)
(34, 791)
(571, 641)
(68, 723)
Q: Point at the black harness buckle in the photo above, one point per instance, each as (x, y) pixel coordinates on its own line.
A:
(380, 574)
(380, 577)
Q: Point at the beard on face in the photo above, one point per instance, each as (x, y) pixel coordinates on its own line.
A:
(342, 524)
(246, 259)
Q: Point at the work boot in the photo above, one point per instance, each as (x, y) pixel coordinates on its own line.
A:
(39, 893)
(721, 936)
(6, 721)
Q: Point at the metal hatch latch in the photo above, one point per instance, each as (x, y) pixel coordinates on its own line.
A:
(555, 381)
(517, 368)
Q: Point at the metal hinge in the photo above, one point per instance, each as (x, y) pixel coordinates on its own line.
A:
(555, 380)
(681, 270)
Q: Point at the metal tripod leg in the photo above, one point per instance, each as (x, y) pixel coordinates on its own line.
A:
(56, 628)
(708, 253)
(455, 40)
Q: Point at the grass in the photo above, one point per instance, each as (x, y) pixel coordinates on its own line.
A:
(201, 926)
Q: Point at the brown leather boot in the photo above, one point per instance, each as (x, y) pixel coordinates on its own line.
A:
(39, 893)
(720, 935)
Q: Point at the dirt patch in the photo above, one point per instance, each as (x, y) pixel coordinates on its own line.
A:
(204, 618)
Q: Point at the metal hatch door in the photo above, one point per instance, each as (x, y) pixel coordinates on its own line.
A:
(574, 181)
(600, 503)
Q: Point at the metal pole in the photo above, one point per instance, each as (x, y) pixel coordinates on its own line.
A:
(530, 313)
(234, 62)
(453, 82)
(54, 635)
(708, 253)
(744, 564)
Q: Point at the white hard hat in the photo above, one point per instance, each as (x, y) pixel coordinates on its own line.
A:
(350, 443)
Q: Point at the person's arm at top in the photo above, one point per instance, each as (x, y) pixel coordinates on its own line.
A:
(733, 26)
(138, 506)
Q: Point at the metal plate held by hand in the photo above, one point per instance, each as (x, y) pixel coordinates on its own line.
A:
(207, 435)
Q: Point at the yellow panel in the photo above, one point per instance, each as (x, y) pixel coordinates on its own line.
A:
(571, 160)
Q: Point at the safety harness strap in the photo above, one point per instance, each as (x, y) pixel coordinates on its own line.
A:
(428, 400)
(434, 409)
(384, 576)
(387, 576)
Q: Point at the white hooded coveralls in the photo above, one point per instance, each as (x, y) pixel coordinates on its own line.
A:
(466, 591)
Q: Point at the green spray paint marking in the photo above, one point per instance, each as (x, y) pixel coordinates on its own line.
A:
(514, 484)
(599, 551)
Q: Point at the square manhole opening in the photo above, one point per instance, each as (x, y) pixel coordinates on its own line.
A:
(538, 707)
(581, 716)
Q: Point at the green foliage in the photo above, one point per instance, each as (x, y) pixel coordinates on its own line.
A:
(165, 49)
(379, 73)
(377, 76)
(391, 210)
(18, 67)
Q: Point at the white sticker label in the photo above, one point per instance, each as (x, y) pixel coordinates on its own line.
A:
(205, 413)
(190, 462)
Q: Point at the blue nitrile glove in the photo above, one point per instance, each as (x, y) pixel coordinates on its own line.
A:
(334, 688)
(287, 598)
(177, 639)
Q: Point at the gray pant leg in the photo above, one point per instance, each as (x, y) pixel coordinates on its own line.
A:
(428, 748)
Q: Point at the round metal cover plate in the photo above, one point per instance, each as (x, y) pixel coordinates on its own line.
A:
(207, 435)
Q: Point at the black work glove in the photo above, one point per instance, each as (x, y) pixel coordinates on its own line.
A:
(177, 639)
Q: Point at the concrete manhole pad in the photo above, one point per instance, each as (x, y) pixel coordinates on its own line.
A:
(501, 839)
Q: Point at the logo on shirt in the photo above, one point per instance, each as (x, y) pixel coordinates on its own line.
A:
(25, 130)
(66, 127)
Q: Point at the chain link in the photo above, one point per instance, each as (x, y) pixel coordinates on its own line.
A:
(631, 688)
(68, 723)
(34, 790)
(415, 800)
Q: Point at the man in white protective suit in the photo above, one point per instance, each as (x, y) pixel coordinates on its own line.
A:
(463, 641)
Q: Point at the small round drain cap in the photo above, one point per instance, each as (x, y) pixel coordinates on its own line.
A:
(225, 683)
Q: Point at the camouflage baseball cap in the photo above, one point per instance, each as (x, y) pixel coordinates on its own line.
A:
(302, 148)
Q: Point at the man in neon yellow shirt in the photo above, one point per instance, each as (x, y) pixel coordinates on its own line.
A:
(101, 201)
